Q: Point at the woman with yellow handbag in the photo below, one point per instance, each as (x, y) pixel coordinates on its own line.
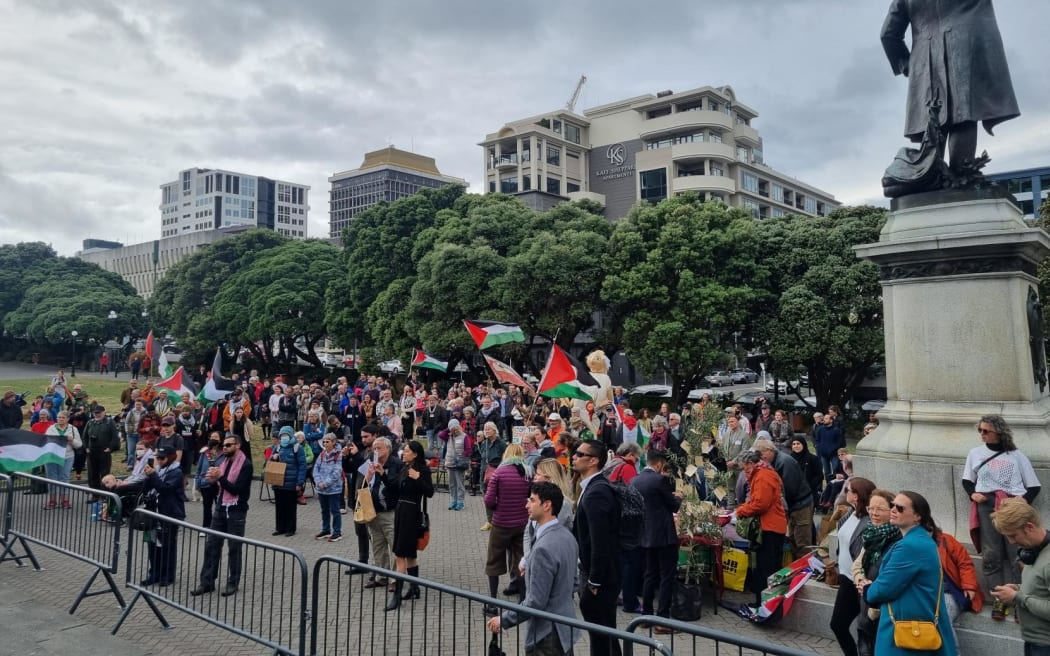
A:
(914, 616)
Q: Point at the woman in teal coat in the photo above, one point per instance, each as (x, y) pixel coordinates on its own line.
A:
(909, 579)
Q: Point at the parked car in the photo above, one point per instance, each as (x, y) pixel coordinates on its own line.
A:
(698, 394)
(719, 378)
(782, 386)
(391, 366)
(172, 353)
(744, 376)
(657, 391)
(873, 406)
(331, 359)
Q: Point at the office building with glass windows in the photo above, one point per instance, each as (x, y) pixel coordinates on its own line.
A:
(384, 175)
(646, 148)
(210, 199)
(1029, 187)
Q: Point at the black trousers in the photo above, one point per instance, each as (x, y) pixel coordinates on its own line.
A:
(228, 520)
(600, 609)
(361, 530)
(208, 495)
(847, 607)
(659, 565)
(286, 503)
(770, 556)
(99, 463)
(163, 553)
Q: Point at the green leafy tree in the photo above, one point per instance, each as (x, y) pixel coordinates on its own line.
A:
(682, 277)
(827, 312)
(275, 305)
(67, 294)
(379, 249)
(17, 261)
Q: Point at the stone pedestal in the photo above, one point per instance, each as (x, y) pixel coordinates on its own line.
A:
(956, 271)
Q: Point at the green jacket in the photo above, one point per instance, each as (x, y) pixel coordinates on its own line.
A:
(101, 434)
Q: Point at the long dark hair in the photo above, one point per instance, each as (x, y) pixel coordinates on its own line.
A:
(921, 507)
(863, 488)
(419, 463)
(998, 424)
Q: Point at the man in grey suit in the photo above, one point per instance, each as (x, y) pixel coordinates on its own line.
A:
(550, 577)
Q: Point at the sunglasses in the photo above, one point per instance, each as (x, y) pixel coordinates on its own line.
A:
(899, 508)
(227, 445)
(985, 431)
(583, 454)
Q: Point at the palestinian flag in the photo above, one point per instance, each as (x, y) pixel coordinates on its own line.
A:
(164, 369)
(629, 422)
(22, 450)
(424, 360)
(505, 373)
(487, 334)
(176, 385)
(565, 377)
(217, 387)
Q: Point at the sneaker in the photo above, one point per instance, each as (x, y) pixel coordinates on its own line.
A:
(343, 511)
(459, 505)
(998, 611)
(486, 527)
(322, 535)
(335, 537)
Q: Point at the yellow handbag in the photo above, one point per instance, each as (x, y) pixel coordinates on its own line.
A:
(919, 635)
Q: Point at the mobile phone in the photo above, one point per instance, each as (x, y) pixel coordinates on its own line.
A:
(150, 462)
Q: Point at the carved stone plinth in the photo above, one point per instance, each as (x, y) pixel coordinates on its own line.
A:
(958, 271)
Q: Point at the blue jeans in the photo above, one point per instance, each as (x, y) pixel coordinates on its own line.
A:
(133, 440)
(456, 489)
(1032, 649)
(330, 517)
(59, 473)
(829, 464)
(433, 443)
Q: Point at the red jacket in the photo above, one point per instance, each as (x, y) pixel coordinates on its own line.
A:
(764, 500)
(959, 568)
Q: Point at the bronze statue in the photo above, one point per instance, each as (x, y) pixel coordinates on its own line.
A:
(957, 75)
(1036, 342)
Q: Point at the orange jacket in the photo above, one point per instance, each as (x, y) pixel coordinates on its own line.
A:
(765, 500)
(227, 413)
(959, 568)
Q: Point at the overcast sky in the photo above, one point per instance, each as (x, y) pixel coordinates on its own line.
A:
(101, 101)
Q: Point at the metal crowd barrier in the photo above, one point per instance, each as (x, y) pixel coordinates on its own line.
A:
(75, 526)
(696, 639)
(274, 614)
(5, 512)
(349, 619)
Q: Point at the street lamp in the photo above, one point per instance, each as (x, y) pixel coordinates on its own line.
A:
(73, 369)
(112, 316)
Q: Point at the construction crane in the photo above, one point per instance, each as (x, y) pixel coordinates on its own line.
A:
(571, 105)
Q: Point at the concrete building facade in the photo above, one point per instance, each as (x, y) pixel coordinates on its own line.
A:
(384, 175)
(211, 199)
(142, 265)
(647, 148)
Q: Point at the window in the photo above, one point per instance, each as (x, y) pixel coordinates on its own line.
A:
(508, 185)
(714, 106)
(749, 182)
(185, 183)
(526, 154)
(554, 155)
(741, 153)
(554, 186)
(492, 156)
(654, 185)
(751, 206)
(657, 113)
(556, 126)
(284, 193)
(237, 185)
(714, 137)
(717, 170)
(492, 186)
(572, 133)
(776, 211)
(777, 192)
(571, 187)
(526, 183)
(811, 205)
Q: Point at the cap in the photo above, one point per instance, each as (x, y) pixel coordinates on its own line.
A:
(554, 416)
(99, 409)
(167, 421)
(164, 451)
(729, 410)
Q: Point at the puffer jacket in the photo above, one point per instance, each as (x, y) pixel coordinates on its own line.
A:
(295, 459)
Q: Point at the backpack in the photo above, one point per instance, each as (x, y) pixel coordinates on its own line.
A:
(632, 514)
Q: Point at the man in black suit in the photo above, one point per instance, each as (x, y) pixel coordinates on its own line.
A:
(597, 528)
(659, 541)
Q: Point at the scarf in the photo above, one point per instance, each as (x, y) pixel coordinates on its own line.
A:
(876, 540)
(233, 471)
(658, 439)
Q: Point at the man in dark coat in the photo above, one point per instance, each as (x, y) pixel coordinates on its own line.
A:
(597, 528)
(957, 56)
(10, 411)
(165, 483)
(100, 440)
(659, 541)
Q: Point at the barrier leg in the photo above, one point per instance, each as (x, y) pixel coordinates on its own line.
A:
(9, 548)
(84, 594)
(131, 605)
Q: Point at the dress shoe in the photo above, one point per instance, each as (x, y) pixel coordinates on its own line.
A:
(146, 582)
(636, 610)
(375, 583)
(664, 630)
(200, 589)
(290, 533)
(230, 589)
(512, 589)
(164, 584)
(275, 533)
(354, 569)
(490, 611)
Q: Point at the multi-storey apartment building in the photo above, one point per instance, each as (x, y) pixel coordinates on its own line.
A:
(646, 148)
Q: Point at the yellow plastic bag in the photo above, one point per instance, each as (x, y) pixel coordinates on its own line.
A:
(734, 568)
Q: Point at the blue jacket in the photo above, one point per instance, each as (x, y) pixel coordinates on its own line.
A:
(328, 472)
(829, 439)
(167, 483)
(314, 433)
(203, 463)
(295, 474)
(908, 580)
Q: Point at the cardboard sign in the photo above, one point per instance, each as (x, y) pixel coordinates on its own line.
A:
(517, 433)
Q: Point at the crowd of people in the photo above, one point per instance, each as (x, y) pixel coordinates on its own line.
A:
(547, 473)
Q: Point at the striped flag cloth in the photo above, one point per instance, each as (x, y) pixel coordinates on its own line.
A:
(22, 450)
(487, 334)
(424, 360)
